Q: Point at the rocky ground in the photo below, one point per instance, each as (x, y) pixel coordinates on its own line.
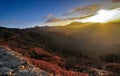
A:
(13, 64)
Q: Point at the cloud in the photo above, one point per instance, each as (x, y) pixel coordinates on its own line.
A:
(75, 18)
(49, 16)
(54, 20)
(90, 13)
(115, 0)
(60, 23)
(90, 8)
(67, 19)
(103, 15)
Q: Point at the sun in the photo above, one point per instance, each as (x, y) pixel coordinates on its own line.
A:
(103, 16)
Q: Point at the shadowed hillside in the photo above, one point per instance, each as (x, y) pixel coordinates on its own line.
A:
(100, 38)
(83, 47)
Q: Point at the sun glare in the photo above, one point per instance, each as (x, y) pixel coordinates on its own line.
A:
(103, 16)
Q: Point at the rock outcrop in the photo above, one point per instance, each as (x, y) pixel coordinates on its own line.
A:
(14, 64)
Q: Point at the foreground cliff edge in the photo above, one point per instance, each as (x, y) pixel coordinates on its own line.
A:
(14, 64)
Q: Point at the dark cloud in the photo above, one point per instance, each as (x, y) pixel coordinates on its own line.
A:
(54, 20)
(115, 0)
(66, 19)
(73, 18)
(82, 8)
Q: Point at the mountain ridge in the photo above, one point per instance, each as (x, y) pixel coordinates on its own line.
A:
(73, 44)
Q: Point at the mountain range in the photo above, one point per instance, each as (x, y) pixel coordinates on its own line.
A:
(77, 49)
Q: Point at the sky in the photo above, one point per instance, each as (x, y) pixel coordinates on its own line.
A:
(30, 13)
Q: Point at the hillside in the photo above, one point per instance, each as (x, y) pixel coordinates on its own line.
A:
(101, 38)
(77, 48)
